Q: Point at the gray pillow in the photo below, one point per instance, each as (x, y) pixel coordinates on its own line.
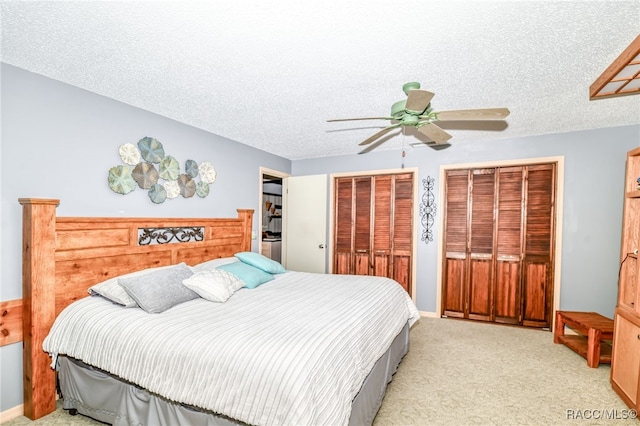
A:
(112, 290)
(158, 291)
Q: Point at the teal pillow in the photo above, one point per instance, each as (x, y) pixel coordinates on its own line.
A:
(261, 262)
(252, 277)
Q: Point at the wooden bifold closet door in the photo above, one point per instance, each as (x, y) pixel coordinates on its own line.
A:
(498, 243)
(373, 226)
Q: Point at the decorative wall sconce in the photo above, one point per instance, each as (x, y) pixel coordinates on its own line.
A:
(428, 209)
(147, 166)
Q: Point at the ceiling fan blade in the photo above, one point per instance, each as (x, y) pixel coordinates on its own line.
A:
(379, 134)
(418, 100)
(361, 118)
(373, 146)
(473, 114)
(435, 133)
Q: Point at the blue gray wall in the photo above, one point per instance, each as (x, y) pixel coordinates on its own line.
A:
(59, 141)
(592, 220)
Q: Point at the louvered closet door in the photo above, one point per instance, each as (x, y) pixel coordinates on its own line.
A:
(481, 244)
(362, 225)
(468, 273)
(499, 234)
(381, 235)
(352, 232)
(509, 227)
(403, 230)
(454, 289)
(374, 226)
(343, 239)
(538, 256)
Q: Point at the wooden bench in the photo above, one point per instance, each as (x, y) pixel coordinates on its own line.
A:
(594, 333)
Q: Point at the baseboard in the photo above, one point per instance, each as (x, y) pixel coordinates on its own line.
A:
(11, 413)
(429, 314)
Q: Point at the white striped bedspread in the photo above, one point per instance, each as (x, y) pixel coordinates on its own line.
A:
(294, 351)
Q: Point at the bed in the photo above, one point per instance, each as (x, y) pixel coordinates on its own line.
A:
(297, 348)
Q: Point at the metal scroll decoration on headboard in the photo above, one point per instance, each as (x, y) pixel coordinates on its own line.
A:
(147, 236)
(165, 181)
(428, 209)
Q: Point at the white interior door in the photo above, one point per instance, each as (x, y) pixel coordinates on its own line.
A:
(305, 223)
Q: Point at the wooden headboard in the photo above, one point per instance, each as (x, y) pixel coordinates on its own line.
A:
(63, 256)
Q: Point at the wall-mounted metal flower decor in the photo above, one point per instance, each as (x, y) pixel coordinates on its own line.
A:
(147, 167)
(428, 209)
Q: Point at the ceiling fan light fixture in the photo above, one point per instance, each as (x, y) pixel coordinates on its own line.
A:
(410, 120)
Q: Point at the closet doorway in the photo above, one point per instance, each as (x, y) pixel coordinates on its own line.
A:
(292, 220)
(271, 211)
(499, 243)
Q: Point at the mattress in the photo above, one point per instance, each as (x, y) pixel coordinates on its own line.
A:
(296, 350)
(104, 397)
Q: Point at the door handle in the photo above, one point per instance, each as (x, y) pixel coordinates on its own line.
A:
(321, 246)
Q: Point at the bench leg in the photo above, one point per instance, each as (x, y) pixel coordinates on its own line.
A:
(593, 348)
(559, 330)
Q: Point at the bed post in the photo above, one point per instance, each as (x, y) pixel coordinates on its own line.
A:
(246, 215)
(38, 303)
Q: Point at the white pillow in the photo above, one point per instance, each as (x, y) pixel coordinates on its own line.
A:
(214, 263)
(215, 285)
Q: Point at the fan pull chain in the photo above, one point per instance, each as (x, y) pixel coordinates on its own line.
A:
(403, 146)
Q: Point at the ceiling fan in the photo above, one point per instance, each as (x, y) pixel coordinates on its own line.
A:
(416, 111)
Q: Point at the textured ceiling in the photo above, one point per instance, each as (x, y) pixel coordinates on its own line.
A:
(268, 74)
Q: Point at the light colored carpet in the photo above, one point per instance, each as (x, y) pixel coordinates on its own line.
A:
(462, 372)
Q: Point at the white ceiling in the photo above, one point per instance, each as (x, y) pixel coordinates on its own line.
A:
(269, 73)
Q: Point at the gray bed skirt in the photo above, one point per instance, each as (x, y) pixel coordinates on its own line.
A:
(106, 398)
